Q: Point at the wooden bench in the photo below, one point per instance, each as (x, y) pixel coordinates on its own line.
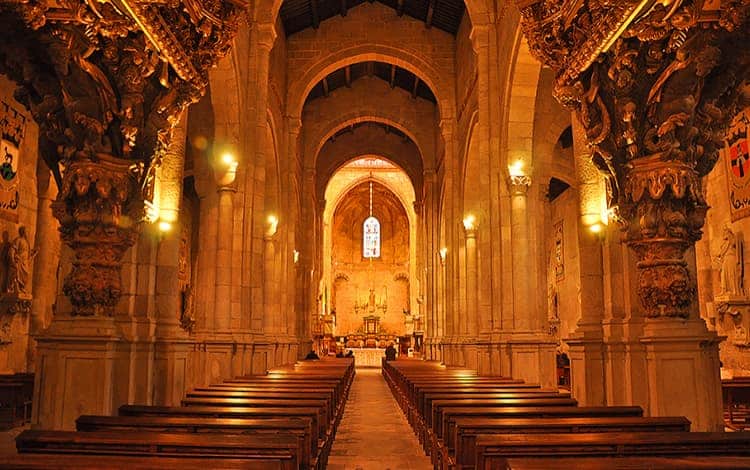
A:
(319, 431)
(493, 451)
(16, 392)
(736, 397)
(459, 446)
(629, 463)
(281, 448)
(299, 427)
(138, 462)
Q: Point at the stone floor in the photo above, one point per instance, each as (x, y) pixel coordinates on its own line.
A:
(374, 434)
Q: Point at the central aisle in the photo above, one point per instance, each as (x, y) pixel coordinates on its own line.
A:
(373, 434)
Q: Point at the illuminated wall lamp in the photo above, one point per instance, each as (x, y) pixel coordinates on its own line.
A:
(226, 169)
(470, 222)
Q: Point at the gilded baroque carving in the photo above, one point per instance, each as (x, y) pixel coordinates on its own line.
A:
(655, 86)
(106, 82)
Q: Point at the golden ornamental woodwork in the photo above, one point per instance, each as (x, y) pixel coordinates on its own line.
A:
(655, 85)
(106, 82)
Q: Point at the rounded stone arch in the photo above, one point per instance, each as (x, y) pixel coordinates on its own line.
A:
(382, 181)
(356, 117)
(481, 12)
(521, 109)
(390, 147)
(416, 64)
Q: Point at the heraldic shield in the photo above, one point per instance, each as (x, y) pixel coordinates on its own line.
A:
(736, 154)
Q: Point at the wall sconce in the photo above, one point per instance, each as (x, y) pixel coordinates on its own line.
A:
(443, 253)
(295, 255)
(164, 226)
(273, 225)
(470, 222)
(516, 168)
(225, 169)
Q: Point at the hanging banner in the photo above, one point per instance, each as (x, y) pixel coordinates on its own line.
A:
(736, 155)
(12, 126)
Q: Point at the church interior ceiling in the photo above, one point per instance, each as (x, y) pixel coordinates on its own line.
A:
(299, 15)
(394, 75)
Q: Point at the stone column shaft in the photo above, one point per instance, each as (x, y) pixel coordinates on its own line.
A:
(523, 309)
(472, 291)
(225, 223)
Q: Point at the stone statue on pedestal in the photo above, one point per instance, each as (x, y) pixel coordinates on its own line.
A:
(730, 265)
(20, 256)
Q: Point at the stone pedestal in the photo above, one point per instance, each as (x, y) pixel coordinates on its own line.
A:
(82, 368)
(586, 355)
(531, 357)
(682, 359)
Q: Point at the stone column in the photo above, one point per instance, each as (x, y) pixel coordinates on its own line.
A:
(105, 107)
(519, 233)
(223, 289)
(586, 350)
(171, 342)
(271, 320)
(655, 91)
(472, 301)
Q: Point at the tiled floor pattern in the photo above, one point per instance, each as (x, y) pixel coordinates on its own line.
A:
(374, 434)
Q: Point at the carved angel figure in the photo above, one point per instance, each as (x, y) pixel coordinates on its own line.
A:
(729, 265)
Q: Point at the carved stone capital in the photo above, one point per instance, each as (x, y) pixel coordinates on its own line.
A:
(655, 90)
(100, 207)
(519, 184)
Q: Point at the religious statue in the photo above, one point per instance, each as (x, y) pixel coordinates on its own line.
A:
(729, 261)
(19, 258)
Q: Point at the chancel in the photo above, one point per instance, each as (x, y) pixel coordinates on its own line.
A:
(375, 234)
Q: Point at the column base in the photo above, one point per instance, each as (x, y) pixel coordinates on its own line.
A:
(83, 367)
(586, 353)
(682, 359)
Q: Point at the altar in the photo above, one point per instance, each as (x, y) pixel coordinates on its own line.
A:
(367, 357)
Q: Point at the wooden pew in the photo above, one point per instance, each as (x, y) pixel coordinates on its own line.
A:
(299, 427)
(280, 448)
(451, 415)
(325, 413)
(493, 451)
(459, 447)
(139, 462)
(629, 463)
(320, 434)
(16, 392)
(736, 397)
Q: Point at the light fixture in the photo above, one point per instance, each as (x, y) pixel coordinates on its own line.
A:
(296, 256)
(228, 159)
(516, 168)
(596, 228)
(225, 169)
(470, 222)
(443, 253)
(164, 226)
(273, 225)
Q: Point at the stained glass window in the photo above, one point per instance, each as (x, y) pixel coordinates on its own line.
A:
(371, 238)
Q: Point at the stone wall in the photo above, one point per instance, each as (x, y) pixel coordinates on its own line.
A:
(735, 350)
(14, 331)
